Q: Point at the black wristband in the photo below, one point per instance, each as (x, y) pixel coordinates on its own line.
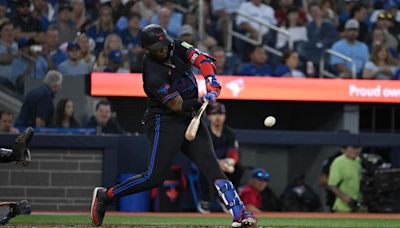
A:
(190, 105)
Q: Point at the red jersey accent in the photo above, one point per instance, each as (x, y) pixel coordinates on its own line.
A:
(250, 196)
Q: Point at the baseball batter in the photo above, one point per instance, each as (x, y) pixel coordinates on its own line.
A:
(172, 94)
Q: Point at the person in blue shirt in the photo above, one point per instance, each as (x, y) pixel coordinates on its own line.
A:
(349, 46)
(175, 19)
(131, 40)
(258, 64)
(37, 108)
(101, 28)
(74, 65)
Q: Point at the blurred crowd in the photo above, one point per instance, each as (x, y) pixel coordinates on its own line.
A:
(77, 37)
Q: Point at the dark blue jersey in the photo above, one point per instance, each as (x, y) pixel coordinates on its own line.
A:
(162, 81)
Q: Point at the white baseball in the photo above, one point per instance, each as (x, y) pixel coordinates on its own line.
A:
(269, 121)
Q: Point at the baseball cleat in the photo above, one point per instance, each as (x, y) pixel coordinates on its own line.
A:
(100, 201)
(247, 219)
(21, 144)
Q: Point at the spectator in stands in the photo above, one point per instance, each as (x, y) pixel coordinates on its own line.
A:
(226, 147)
(359, 13)
(251, 192)
(221, 65)
(321, 34)
(258, 10)
(329, 11)
(6, 121)
(290, 67)
(381, 65)
(78, 14)
(102, 120)
(113, 41)
(74, 65)
(52, 53)
(64, 117)
(351, 47)
(282, 9)
(224, 11)
(25, 25)
(28, 63)
(37, 108)
(86, 51)
(131, 40)
(174, 22)
(299, 196)
(101, 28)
(147, 9)
(190, 29)
(66, 29)
(115, 62)
(43, 9)
(3, 11)
(344, 15)
(344, 180)
(385, 22)
(117, 9)
(258, 64)
(294, 26)
(8, 51)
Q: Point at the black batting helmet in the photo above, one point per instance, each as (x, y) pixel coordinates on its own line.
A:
(154, 37)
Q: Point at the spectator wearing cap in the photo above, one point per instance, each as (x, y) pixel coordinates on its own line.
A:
(25, 25)
(321, 34)
(385, 22)
(174, 22)
(101, 28)
(258, 64)
(351, 47)
(115, 62)
(37, 108)
(359, 13)
(226, 147)
(251, 192)
(66, 29)
(74, 66)
(131, 41)
(8, 50)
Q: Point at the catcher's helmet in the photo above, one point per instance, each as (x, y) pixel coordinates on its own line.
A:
(154, 37)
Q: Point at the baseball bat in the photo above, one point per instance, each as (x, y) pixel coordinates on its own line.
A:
(191, 131)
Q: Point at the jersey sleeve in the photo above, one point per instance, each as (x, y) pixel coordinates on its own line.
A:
(335, 176)
(160, 87)
(183, 50)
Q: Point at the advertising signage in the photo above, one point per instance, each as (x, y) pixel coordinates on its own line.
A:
(264, 88)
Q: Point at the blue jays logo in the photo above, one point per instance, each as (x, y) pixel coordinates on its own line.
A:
(164, 89)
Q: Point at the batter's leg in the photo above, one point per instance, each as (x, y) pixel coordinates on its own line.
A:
(201, 152)
(165, 138)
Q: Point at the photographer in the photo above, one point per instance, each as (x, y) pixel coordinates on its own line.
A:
(344, 180)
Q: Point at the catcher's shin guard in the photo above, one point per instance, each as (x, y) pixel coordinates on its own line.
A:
(228, 194)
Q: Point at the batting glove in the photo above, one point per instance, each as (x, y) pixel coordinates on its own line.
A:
(210, 97)
(212, 84)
